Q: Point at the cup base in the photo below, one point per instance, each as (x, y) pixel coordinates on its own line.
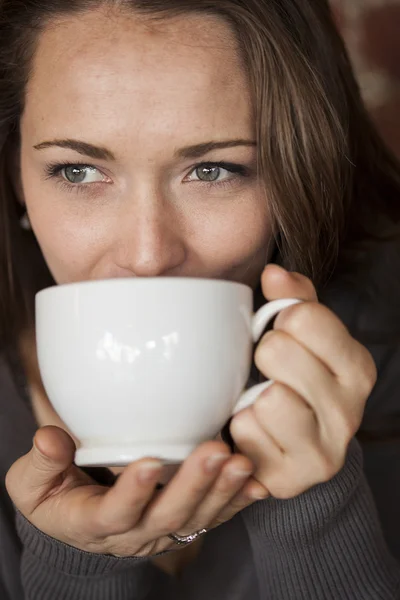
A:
(121, 456)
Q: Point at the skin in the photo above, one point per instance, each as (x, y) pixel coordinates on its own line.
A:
(146, 216)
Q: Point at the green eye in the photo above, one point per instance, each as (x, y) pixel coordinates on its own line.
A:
(76, 174)
(208, 173)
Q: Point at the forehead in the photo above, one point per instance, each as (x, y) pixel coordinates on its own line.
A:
(102, 67)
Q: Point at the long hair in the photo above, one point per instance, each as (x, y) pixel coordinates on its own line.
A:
(325, 169)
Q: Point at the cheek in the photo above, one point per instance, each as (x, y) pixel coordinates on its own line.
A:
(236, 237)
(71, 246)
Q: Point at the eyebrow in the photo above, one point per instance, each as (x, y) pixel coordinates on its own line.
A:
(201, 149)
(96, 152)
(100, 153)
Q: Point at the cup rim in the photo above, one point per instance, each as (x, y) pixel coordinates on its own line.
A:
(127, 281)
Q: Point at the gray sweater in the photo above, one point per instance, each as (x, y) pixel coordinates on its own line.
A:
(327, 544)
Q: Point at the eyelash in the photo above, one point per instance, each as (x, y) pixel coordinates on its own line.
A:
(53, 171)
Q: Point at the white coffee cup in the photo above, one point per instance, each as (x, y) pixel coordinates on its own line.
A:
(148, 367)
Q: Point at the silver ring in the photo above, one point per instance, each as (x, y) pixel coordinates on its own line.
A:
(183, 540)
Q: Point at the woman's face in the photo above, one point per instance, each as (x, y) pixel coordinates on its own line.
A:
(138, 155)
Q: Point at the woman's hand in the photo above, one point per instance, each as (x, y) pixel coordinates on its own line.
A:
(295, 436)
(130, 518)
(298, 431)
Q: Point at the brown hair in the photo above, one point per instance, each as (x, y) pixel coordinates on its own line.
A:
(325, 169)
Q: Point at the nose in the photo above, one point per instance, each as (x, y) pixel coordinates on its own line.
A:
(150, 242)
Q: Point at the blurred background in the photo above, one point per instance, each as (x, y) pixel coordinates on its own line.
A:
(371, 29)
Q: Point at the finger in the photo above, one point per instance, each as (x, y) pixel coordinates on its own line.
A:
(231, 480)
(255, 443)
(250, 493)
(281, 358)
(285, 416)
(180, 498)
(321, 332)
(283, 474)
(278, 283)
(34, 476)
(122, 506)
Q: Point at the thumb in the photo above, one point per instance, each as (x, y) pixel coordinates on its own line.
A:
(278, 283)
(35, 475)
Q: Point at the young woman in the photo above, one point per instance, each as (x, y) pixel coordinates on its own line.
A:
(146, 138)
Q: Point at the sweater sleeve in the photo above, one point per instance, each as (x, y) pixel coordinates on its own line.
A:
(51, 569)
(325, 544)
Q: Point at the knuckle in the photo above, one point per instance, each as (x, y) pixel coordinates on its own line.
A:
(364, 372)
(369, 371)
(272, 344)
(277, 394)
(262, 351)
(241, 425)
(300, 317)
(309, 288)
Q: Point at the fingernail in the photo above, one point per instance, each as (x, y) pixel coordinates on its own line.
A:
(259, 494)
(276, 266)
(149, 471)
(239, 474)
(215, 462)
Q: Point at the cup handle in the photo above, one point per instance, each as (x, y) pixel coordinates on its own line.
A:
(259, 321)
